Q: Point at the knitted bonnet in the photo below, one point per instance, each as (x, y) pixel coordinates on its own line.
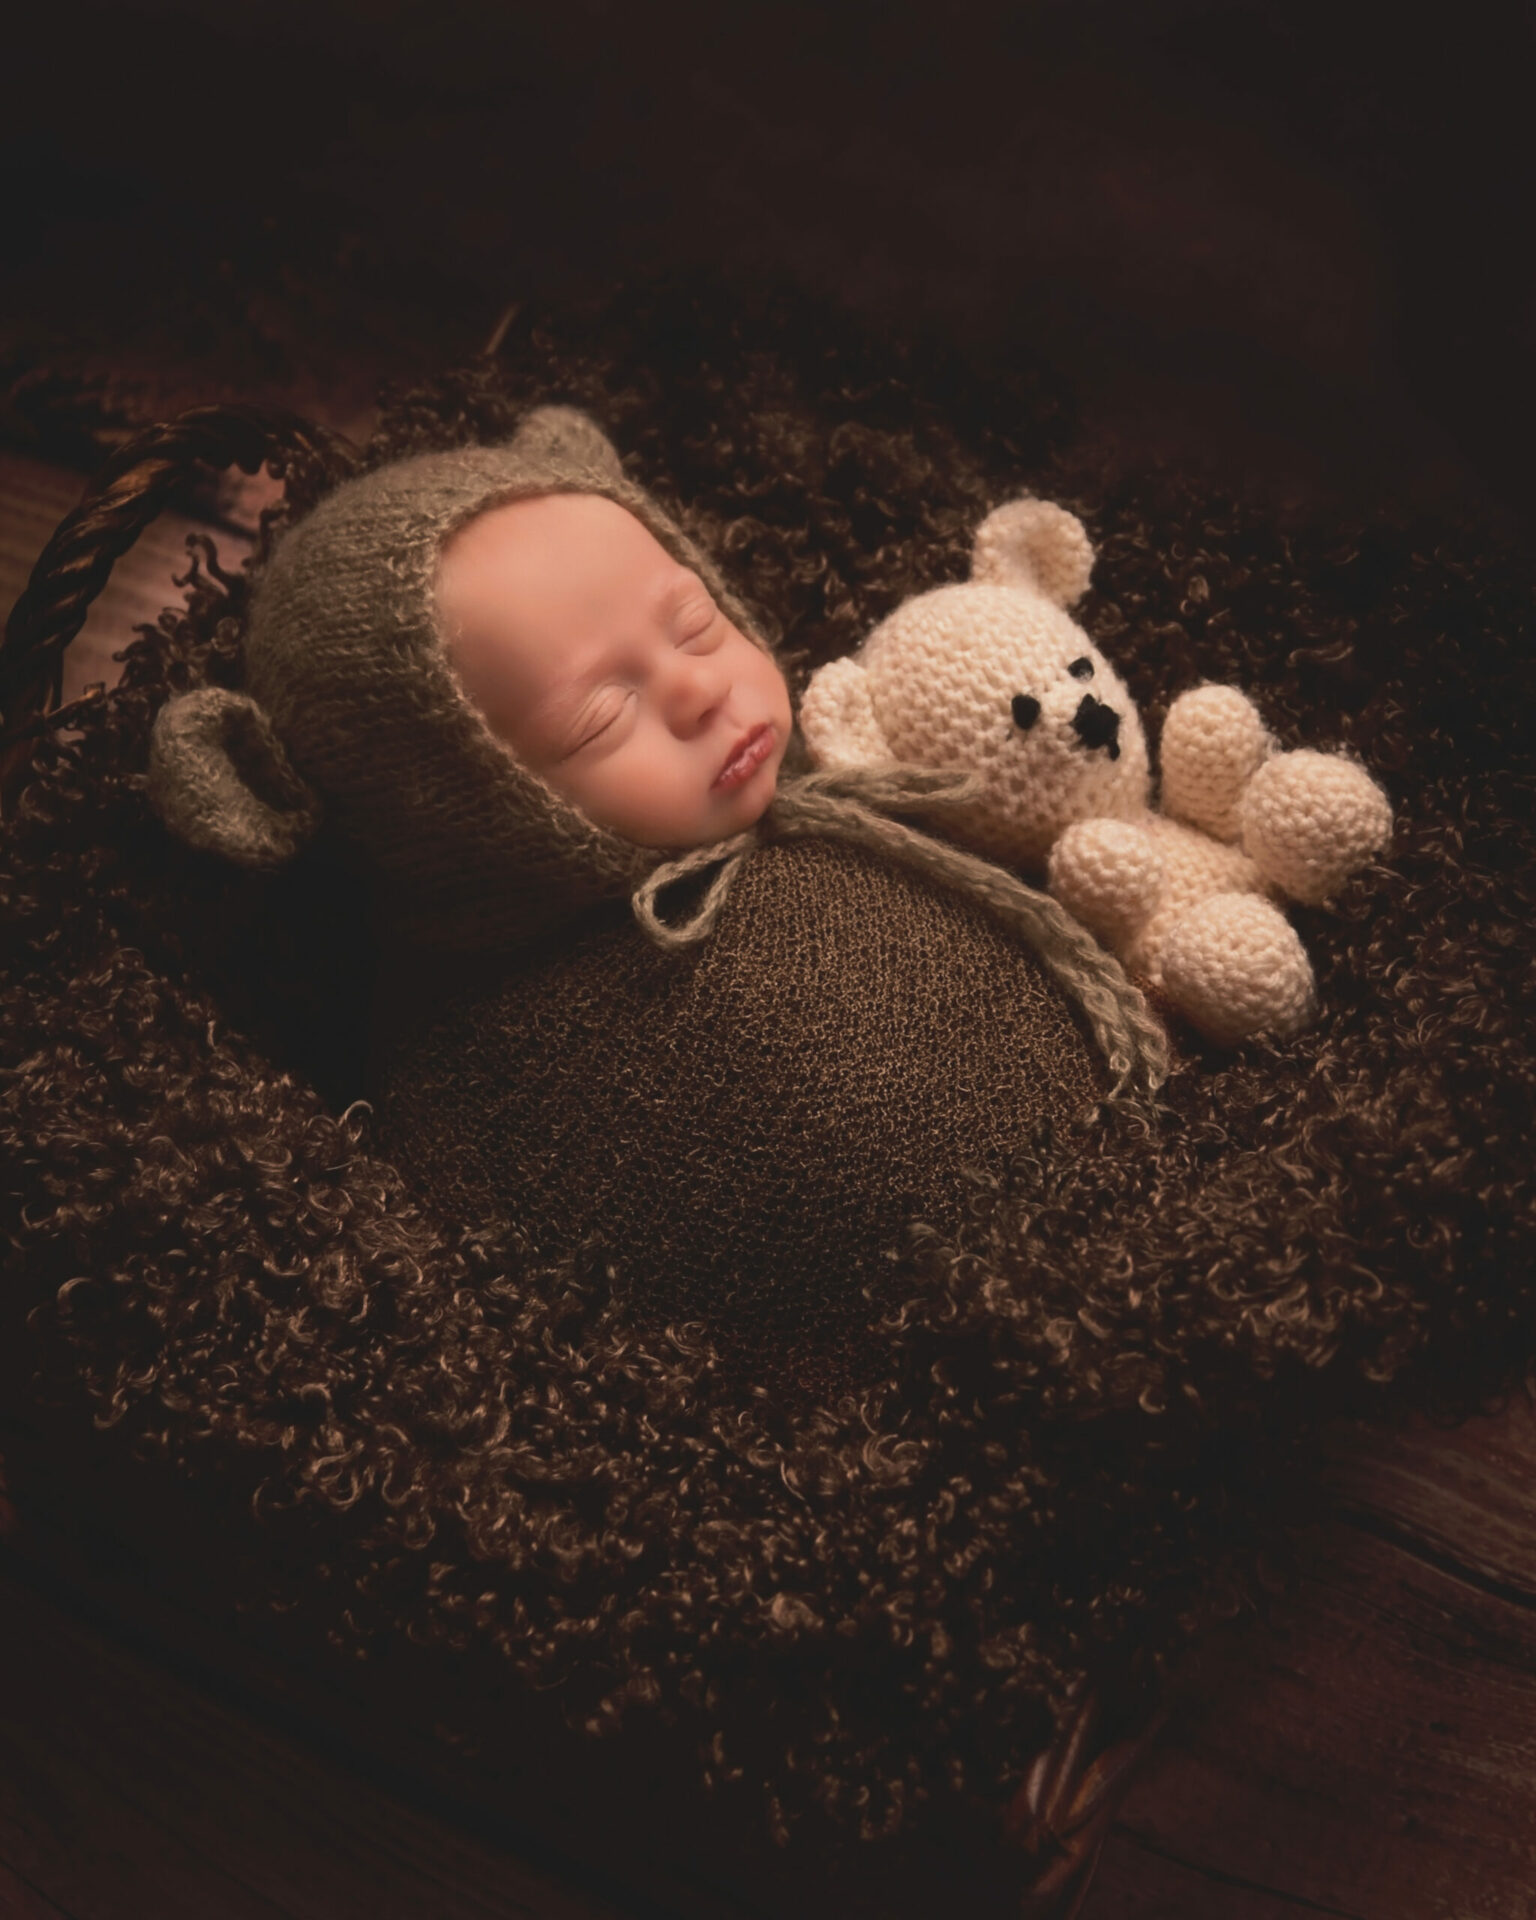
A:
(352, 716)
(352, 719)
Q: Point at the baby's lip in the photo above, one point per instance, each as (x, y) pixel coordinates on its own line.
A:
(752, 733)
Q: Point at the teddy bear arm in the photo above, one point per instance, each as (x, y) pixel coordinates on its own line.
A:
(838, 720)
(1214, 741)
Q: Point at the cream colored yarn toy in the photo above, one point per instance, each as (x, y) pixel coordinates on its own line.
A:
(993, 675)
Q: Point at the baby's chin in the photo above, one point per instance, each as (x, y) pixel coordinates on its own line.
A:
(749, 808)
(762, 800)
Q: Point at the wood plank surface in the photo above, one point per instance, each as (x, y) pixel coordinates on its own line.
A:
(20, 1901)
(1371, 1752)
(126, 1794)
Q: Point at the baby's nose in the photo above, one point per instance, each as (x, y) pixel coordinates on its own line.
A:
(699, 684)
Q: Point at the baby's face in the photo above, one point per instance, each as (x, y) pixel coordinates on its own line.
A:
(607, 668)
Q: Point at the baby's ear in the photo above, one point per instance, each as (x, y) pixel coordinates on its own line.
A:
(565, 437)
(1034, 544)
(837, 718)
(220, 780)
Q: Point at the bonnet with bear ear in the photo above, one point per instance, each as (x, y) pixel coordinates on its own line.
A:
(351, 715)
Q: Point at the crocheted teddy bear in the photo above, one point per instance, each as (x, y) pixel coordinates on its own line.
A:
(995, 676)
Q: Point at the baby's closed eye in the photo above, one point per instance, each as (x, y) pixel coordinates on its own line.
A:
(696, 617)
(610, 712)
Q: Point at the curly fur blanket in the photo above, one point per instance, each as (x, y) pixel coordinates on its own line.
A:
(1079, 1395)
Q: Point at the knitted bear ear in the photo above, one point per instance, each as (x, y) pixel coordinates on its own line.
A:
(837, 718)
(1034, 544)
(564, 437)
(219, 779)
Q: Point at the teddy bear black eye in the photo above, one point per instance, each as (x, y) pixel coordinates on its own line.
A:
(1081, 669)
(1026, 710)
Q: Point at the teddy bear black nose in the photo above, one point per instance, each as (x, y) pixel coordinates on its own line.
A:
(1097, 725)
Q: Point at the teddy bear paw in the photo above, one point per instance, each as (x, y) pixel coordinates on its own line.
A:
(1234, 966)
(1214, 741)
(1310, 820)
(838, 721)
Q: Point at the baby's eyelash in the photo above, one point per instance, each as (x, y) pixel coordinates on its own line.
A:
(698, 621)
(597, 732)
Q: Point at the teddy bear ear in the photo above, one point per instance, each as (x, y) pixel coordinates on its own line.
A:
(566, 437)
(837, 718)
(1034, 544)
(219, 779)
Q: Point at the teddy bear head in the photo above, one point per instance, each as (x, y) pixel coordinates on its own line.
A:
(993, 675)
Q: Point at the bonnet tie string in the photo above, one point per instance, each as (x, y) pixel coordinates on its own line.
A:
(687, 932)
(795, 810)
(856, 805)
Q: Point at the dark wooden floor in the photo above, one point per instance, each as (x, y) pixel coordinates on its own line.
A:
(1372, 1753)
(126, 1794)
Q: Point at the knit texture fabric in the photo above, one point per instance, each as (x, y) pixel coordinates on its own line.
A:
(742, 1128)
(352, 715)
(995, 676)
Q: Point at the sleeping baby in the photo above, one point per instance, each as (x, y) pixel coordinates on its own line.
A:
(507, 684)
(497, 678)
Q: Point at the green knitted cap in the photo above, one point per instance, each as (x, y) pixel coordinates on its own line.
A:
(351, 714)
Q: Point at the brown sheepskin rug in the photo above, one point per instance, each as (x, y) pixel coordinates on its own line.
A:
(1086, 1405)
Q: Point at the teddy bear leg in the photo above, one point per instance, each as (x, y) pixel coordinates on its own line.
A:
(1309, 820)
(1108, 874)
(1235, 967)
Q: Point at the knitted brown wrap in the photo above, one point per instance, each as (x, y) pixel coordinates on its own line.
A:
(742, 1127)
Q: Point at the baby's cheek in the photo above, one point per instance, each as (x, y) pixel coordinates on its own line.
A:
(776, 688)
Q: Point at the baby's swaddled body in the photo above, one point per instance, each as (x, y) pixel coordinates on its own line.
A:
(742, 1128)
